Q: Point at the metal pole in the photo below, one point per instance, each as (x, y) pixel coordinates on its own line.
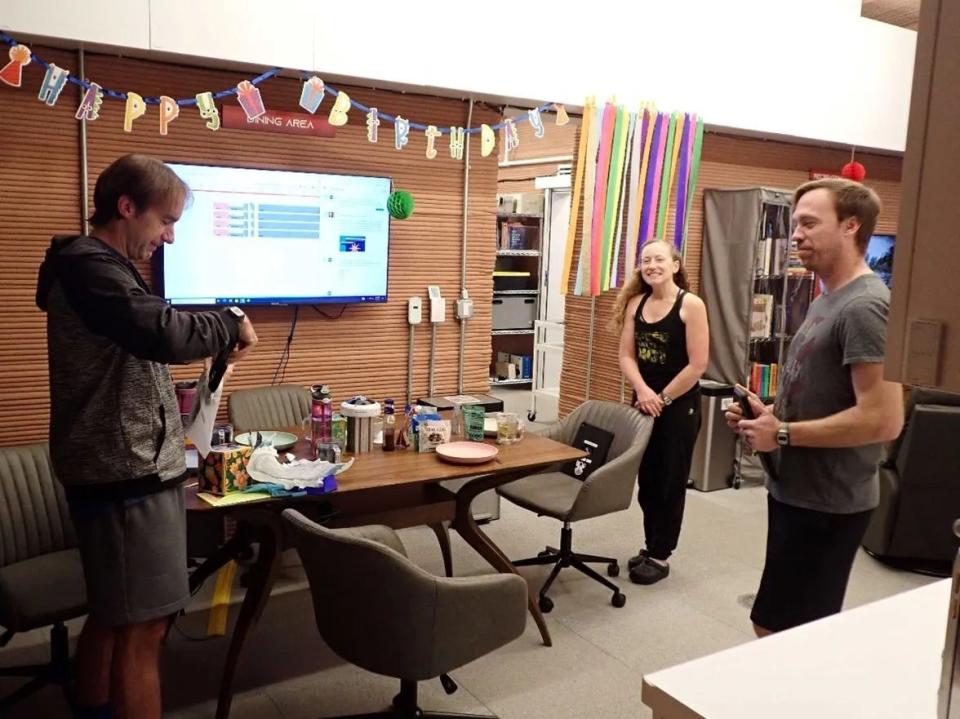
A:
(433, 356)
(84, 168)
(463, 246)
(593, 314)
(413, 330)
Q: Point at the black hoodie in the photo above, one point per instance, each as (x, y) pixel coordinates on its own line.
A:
(114, 419)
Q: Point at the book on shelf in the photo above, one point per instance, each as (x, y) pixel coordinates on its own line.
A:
(772, 254)
(780, 252)
(761, 315)
(795, 267)
(503, 240)
(763, 379)
(505, 370)
(518, 237)
(524, 365)
(762, 259)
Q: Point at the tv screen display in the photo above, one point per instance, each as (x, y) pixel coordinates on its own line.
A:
(880, 256)
(277, 237)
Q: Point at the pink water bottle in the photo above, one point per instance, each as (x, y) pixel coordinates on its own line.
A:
(321, 415)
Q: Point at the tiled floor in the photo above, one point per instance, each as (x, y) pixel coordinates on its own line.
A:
(599, 655)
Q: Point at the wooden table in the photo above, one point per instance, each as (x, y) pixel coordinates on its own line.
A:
(399, 489)
(880, 660)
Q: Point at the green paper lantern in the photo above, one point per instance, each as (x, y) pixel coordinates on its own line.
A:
(400, 204)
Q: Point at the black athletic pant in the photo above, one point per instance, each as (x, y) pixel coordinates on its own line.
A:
(664, 471)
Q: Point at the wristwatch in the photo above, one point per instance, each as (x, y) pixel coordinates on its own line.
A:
(783, 435)
(666, 399)
(237, 312)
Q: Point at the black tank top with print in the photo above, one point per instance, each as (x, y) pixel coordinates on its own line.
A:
(661, 346)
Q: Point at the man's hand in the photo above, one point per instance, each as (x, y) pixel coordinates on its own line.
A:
(648, 401)
(245, 343)
(760, 434)
(733, 415)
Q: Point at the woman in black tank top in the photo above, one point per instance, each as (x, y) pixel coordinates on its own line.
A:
(664, 344)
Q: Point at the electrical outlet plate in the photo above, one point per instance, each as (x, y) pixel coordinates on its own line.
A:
(414, 311)
(464, 308)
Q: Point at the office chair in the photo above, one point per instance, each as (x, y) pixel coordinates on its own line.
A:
(377, 609)
(41, 577)
(609, 488)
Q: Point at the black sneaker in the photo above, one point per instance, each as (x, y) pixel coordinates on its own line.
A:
(639, 558)
(649, 572)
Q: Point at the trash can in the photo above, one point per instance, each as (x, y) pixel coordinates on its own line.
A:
(714, 451)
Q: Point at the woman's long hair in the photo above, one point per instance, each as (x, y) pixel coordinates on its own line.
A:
(636, 285)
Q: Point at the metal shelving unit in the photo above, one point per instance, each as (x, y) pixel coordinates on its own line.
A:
(504, 382)
(519, 244)
(518, 253)
(511, 332)
(518, 216)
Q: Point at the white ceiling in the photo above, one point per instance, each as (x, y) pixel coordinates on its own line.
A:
(905, 13)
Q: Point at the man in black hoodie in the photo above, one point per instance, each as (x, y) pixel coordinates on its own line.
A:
(116, 439)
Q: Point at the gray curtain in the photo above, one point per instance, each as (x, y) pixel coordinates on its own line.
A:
(731, 228)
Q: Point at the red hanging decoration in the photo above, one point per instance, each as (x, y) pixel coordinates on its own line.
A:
(853, 170)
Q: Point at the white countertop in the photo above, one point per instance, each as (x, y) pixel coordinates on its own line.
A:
(880, 660)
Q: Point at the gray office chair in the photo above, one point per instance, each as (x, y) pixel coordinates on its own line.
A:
(610, 488)
(41, 577)
(377, 609)
(276, 407)
(285, 405)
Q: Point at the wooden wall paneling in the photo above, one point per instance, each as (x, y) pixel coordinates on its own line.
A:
(39, 162)
(363, 352)
(727, 162)
(556, 142)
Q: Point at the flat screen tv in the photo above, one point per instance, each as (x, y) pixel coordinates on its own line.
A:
(277, 237)
(880, 256)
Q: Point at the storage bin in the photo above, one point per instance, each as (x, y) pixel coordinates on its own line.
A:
(505, 280)
(514, 313)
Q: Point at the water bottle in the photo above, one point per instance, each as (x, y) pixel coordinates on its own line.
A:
(321, 416)
(389, 426)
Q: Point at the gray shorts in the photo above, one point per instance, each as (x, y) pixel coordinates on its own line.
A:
(134, 554)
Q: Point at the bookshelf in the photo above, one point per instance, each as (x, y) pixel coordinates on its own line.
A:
(756, 290)
(516, 293)
(782, 292)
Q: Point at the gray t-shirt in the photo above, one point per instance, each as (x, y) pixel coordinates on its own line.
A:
(845, 327)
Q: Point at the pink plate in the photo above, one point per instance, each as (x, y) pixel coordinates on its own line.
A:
(467, 452)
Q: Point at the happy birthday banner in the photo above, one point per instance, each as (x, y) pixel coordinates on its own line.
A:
(248, 96)
(633, 161)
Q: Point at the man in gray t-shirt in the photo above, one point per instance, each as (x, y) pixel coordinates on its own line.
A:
(833, 412)
(843, 328)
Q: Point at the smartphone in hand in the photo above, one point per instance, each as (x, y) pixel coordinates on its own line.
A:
(743, 399)
(219, 368)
